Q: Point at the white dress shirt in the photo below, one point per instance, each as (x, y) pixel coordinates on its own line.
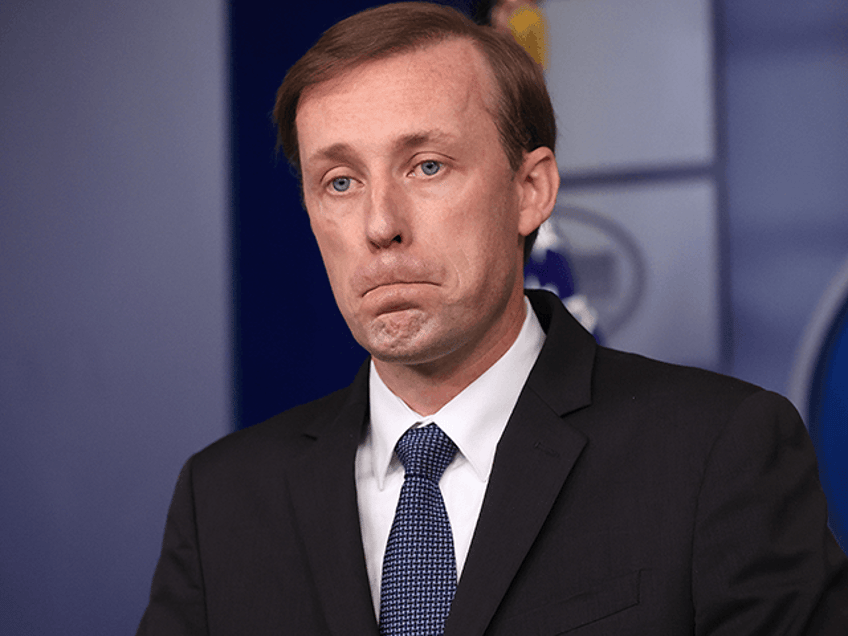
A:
(474, 420)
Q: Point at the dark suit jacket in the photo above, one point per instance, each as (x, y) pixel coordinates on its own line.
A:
(627, 496)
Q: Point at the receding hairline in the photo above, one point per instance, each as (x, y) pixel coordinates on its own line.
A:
(519, 100)
(489, 89)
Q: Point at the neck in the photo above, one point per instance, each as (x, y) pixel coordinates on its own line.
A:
(427, 387)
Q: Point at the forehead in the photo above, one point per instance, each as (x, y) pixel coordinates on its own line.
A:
(443, 85)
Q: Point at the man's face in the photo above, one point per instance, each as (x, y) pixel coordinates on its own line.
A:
(413, 203)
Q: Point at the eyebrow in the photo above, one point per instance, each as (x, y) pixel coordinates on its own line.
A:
(414, 140)
(335, 152)
(345, 152)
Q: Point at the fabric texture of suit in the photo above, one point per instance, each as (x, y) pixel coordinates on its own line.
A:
(627, 496)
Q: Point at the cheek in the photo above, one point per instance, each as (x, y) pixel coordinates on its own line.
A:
(331, 228)
(486, 222)
(334, 252)
(475, 243)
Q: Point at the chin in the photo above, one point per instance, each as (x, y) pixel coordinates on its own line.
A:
(400, 351)
(415, 351)
(404, 348)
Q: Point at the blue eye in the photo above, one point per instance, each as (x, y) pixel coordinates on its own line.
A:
(341, 184)
(430, 167)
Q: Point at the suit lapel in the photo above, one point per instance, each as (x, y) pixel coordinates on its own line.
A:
(323, 490)
(534, 458)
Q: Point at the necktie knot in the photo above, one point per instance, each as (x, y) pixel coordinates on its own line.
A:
(425, 452)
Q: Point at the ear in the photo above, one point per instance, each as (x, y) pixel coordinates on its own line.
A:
(538, 185)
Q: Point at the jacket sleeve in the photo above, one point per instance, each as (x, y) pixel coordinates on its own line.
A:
(177, 605)
(764, 561)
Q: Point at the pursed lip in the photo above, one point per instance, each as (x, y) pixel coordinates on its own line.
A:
(379, 275)
(396, 283)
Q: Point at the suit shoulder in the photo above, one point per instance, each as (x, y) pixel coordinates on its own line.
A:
(282, 434)
(675, 416)
(626, 376)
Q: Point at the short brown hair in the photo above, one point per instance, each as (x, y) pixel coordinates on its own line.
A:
(524, 117)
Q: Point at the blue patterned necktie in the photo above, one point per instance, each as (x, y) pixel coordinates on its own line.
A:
(419, 567)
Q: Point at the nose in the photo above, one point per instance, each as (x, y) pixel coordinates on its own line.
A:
(387, 216)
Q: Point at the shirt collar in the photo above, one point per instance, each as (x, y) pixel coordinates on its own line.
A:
(474, 419)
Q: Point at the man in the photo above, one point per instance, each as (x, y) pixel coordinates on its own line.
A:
(583, 491)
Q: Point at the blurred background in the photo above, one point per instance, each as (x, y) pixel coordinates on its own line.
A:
(159, 286)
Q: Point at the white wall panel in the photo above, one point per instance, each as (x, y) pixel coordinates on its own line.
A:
(631, 82)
